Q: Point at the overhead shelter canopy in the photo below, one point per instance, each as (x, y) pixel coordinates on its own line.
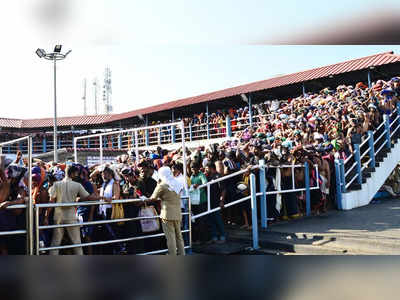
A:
(384, 65)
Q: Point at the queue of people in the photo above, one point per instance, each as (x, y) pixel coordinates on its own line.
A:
(314, 128)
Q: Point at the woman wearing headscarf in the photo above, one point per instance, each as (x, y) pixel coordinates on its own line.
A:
(168, 190)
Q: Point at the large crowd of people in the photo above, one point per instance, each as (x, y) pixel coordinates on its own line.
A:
(315, 128)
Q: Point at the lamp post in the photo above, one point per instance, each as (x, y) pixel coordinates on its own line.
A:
(54, 56)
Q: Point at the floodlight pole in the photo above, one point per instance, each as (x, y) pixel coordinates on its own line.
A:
(55, 112)
(54, 56)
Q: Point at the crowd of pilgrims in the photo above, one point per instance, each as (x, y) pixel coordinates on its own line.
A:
(315, 128)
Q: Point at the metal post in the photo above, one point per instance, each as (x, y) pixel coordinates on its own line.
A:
(88, 142)
(173, 135)
(304, 90)
(147, 131)
(293, 185)
(307, 182)
(147, 137)
(208, 197)
(338, 185)
(44, 145)
(228, 127)
(342, 177)
(263, 202)
(357, 158)
(136, 146)
(369, 78)
(159, 135)
(250, 112)
(387, 130)
(190, 132)
(397, 134)
(119, 141)
(185, 182)
(208, 124)
(55, 113)
(254, 224)
(29, 227)
(371, 149)
(75, 150)
(101, 149)
(37, 240)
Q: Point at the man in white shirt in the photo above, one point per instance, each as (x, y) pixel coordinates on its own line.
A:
(67, 191)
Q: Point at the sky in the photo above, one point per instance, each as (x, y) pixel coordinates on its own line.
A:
(159, 51)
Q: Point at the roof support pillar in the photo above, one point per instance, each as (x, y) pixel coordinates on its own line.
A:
(208, 124)
(250, 112)
(369, 78)
(147, 131)
(304, 90)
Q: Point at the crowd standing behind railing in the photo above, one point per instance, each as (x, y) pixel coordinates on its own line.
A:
(314, 128)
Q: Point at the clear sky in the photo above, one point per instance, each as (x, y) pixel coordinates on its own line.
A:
(158, 51)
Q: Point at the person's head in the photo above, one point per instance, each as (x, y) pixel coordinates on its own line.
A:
(195, 168)
(107, 174)
(128, 175)
(177, 169)
(143, 169)
(72, 171)
(210, 168)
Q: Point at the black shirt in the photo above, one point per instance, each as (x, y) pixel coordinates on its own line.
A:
(216, 189)
(146, 186)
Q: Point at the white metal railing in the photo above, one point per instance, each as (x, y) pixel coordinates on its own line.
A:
(378, 143)
(39, 227)
(262, 184)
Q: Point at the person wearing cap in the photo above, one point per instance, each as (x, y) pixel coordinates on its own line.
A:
(67, 191)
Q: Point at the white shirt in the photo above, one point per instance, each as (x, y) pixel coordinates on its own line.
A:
(107, 192)
(181, 180)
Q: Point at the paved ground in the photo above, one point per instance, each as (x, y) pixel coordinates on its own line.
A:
(373, 229)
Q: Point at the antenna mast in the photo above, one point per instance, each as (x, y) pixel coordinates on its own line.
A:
(84, 98)
(107, 91)
(95, 86)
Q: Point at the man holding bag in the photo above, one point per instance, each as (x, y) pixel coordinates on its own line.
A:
(168, 190)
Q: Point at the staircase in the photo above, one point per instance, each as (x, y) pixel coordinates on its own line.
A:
(373, 176)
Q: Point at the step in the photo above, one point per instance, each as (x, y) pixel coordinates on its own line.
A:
(366, 174)
(354, 187)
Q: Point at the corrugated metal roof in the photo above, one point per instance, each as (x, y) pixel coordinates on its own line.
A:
(321, 72)
(10, 123)
(67, 121)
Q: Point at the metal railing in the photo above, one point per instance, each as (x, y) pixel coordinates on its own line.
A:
(363, 157)
(29, 206)
(39, 227)
(263, 193)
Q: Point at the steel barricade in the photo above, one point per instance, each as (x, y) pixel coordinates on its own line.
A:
(38, 227)
(263, 193)
(24, 143)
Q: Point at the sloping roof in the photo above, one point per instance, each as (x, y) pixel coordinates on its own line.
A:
(338, 68)
(67, 121)
(10, 123)
(321, 72)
